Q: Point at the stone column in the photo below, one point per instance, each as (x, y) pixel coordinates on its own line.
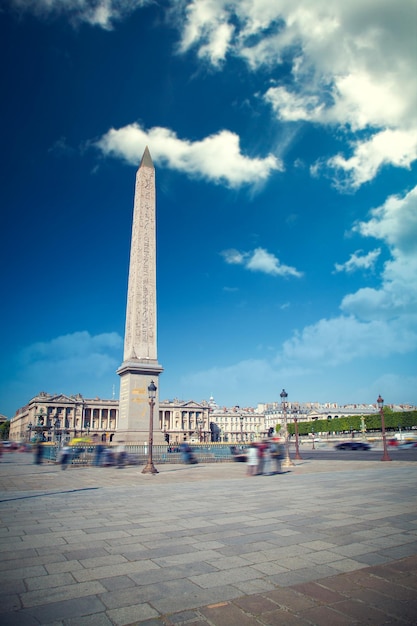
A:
(140, 365)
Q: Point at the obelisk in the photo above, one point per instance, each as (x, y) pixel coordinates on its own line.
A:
(140, 363)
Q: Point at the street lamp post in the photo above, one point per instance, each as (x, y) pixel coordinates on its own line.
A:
(287, 461)
(149, 467)
(57, 425)
(200, 423)
(297, 449)
(363, 427)
(380, 403)
(312, 432)
(41, 427)
(241, 428)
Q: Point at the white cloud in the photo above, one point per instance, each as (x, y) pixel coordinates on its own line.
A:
(217, 158)
(260, 260)
(358, 260)
(234, 257)
(80, 351)
(345, 338)
(216, 49)
(242, 379)
(292, 107)
(394, 386)
(205, 24)
(102, 13)
(352, 65)
(376, 320)
(74, 363)
(375, 324)
(395, 147)
(395, 222)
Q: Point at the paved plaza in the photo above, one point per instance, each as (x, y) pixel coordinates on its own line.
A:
(327, 543)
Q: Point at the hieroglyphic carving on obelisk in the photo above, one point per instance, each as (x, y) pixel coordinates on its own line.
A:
(140, 334)
(140, 364)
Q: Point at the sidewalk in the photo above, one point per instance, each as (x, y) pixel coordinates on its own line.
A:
(327, 543)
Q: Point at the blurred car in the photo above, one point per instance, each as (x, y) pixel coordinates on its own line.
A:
(408, 444)
(10, 445)
(238, 454)
(353, 445)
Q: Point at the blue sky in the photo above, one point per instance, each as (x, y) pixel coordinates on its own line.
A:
(284, 137)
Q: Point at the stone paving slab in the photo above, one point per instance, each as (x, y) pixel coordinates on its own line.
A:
(327, 543)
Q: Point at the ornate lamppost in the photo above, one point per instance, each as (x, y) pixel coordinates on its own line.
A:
(57, 426)
(41, 427)
(297, 449)
(363, 427)
(312, 432)
(380, 403)
(200, 423)
(287, 461)
(30, 426)
(149, 467)
(241, 428)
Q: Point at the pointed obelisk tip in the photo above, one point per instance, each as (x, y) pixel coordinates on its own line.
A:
(146, 159)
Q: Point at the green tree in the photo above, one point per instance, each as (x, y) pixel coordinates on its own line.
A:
(4, 430)
(353, 423)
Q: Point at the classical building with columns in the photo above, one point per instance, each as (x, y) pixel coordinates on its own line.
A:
(62, 418)
(185, 421)
(237, 424)
(199, 422)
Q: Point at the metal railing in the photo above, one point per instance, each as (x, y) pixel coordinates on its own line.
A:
(85, 454)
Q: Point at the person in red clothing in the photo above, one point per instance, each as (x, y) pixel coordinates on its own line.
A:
(261, 454)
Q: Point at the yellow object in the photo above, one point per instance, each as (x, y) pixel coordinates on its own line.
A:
(77, 440)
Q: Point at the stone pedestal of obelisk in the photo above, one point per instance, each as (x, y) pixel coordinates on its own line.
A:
(140, 363)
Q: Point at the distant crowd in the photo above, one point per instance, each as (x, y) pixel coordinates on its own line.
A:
(262, 457)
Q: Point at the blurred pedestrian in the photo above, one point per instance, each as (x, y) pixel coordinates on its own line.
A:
(108, 457)
(261, 451)
(268, 462)
(38, 453)
(277, 451)
(98, 454)
(65, 456)
(252, 460)
(121, 456)
(187, 453)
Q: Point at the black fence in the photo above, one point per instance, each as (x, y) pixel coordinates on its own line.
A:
(86, 454)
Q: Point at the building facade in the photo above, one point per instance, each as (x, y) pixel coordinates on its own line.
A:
(59, 418)
(207, 422)
(185, 421)
(62, 418)
(237, 425)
